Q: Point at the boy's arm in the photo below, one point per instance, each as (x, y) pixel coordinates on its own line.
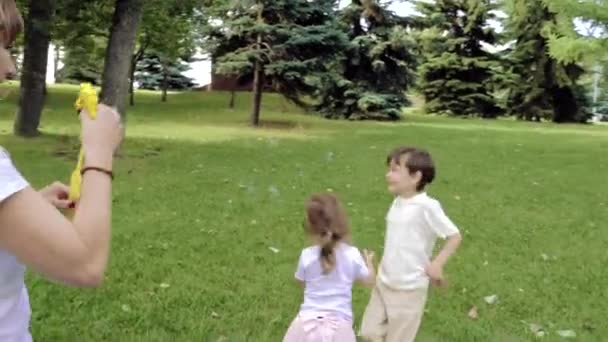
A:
(449, 248)
(441, 224)
(435, 269)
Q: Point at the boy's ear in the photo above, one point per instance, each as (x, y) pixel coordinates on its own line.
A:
(418, 176)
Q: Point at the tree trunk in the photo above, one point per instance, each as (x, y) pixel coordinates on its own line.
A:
(165, 84)
(132, 81)
(258, 87)
(125, 21)
(232, 97)
(134, 60)
(33, 74)
(56, 62)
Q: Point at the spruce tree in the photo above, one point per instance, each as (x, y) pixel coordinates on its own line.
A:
(370, 78)
(568, 45)
(542, 86)
(150, 74)
(284, 42)
(457, 73)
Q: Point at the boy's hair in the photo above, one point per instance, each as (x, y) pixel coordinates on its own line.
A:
(11, 23)
(415, 159)
(326, 218)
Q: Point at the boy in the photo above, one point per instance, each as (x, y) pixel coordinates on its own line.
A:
(414, 222)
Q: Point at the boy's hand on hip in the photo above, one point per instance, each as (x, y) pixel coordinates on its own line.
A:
(435, 273)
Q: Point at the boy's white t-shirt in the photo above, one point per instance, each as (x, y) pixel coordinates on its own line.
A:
(412, 228)
(330, 293)
(14, 302)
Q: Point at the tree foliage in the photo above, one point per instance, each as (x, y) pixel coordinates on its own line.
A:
(542, 86)
(370, 78)
(151, 72)
(457, 74)
(568, 45)
(286, 42)
(80, 30)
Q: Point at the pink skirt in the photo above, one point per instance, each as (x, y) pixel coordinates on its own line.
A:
(318, 327)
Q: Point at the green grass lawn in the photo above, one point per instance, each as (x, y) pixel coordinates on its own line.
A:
(200, 198)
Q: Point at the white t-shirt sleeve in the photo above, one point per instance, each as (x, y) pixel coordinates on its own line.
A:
(361, 270)
(300, 271)
(11, 180)
(438, 221)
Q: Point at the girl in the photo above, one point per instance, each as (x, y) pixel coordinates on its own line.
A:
(32, 231)
(327, 271)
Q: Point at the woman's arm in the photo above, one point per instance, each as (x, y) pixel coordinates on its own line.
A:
(41, 237)
(35, 232)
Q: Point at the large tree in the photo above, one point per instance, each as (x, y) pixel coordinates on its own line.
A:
(369, 78)
(80, 31)
(168, 33)
(542, 86)
(567, 44)
(153, 75)
(127, 14)
(458, 73)
(284, 42)
(33, 74)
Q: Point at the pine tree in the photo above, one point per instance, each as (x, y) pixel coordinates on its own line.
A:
(370, 78)
(542, 87)
(286, 42)
(457, 73)
(566, 44)
(150, 74)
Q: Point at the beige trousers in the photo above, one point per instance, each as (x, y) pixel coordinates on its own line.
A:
(393, 315)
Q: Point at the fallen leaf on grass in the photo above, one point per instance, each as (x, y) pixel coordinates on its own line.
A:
(126, 308)
(473, 314)
(536, 329)
(215, 315)
(493, 299)
(566, 333)
(274, 250)
(588, 327)
(274, 190)
(164, 285)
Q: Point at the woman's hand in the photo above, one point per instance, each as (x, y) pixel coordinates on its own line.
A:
(101, 136)
(57, 195)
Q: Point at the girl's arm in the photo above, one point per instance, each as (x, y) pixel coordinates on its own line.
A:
(370, 280)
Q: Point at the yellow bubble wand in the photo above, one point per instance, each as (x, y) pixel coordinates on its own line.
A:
(87, 100)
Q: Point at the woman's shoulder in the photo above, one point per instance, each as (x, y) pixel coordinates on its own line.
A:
(11, 180)
(5, 160)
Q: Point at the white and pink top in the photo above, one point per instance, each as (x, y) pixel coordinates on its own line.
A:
(330, 293)
(14, 302)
